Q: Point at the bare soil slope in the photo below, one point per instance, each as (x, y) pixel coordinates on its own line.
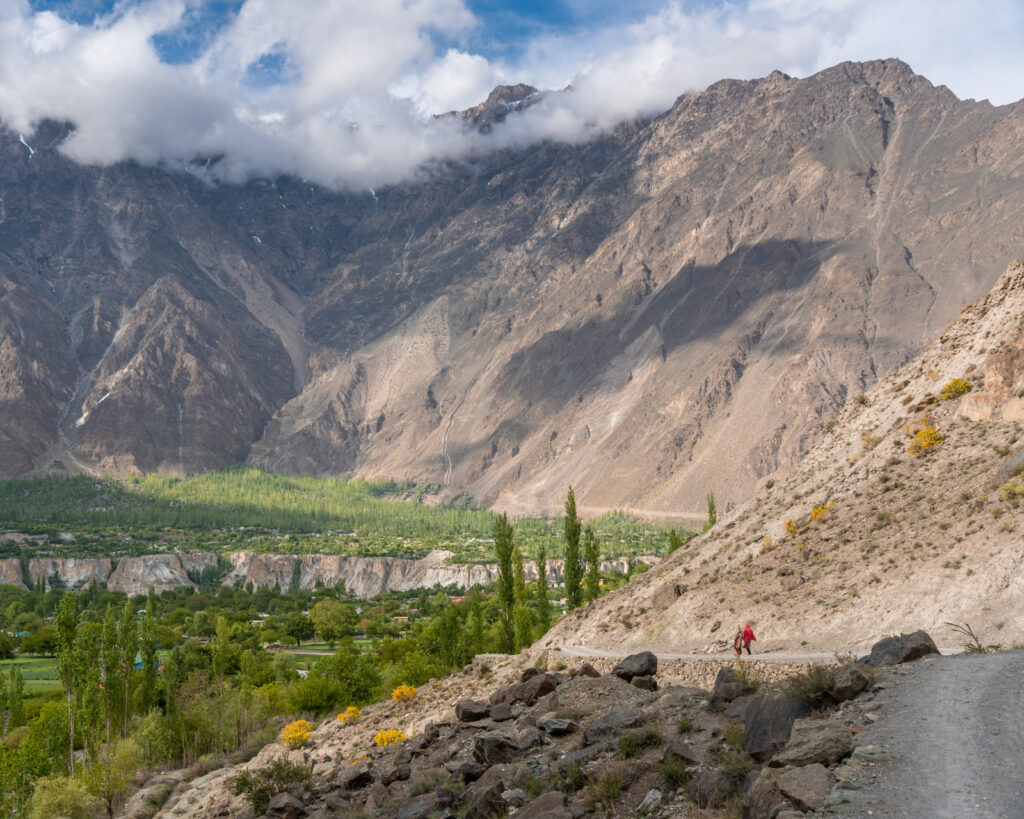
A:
(866, 537)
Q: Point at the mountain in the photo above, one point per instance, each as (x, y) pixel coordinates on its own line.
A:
(672, 308)
(907, 516)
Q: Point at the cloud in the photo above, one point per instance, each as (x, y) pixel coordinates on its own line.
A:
(344, 92)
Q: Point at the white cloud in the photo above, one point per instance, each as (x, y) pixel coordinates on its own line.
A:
(358, 83)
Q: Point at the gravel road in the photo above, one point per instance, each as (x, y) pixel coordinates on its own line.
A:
(954, 727)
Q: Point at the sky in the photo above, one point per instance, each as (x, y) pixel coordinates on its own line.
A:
(345, 93)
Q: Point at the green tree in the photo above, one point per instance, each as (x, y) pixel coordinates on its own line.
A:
(592, 552)
(88, 686)
(712, 511)
(522, 627)
(476, 620)
(3, 706)
(504, 545)
(221, 657)
(62, 796)
(148, 650)
(109, 664)
(674, 541)
(299, 627)
(16, 699)
(333, 619)
(67, 624)
(543, 608)
(128, 646)
(112, 773)
(573, 571)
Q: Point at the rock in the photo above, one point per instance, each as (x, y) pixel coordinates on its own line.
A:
(612, 724)
(501, 712)
(728, 686)
(527, 692)
(469, 771)
(902, 649)
(768, 722)
(651, 802)
(587, 670)
(678, 747)
(145, 803)
(515, 797)
(815, 740)
(580, 757)
(806, 787)
(737, 709)
(356, 776)
(487, 803)
(285, 806)
(556, 726)
(504, 744)
(645, 683)
(709, 787)
(471, 710)
(644, 664)
(550, 805)
(789, 814)
(529, 673)
(850, 681)
(421, 807)
(393, 773)
(763, 796)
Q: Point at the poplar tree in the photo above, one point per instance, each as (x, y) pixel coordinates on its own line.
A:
(109, 655)
(88, 691)
(3, 706)
(573, 564)
(505, 586)
(522, 626)
(592, 581)
(67, 624)
(128, 646)
(16, 706)
(147, 644)
(543, 609)
(476, 621)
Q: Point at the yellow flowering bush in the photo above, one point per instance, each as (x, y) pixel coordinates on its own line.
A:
(361, 758)
(820, 512)
(925, 437)
(869, 441)
(295, 734)
(954, 389)
(392, 736)
(404, 693)
(791, 527)
(350, 716)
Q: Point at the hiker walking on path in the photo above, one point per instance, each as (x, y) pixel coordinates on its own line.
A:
(748, 637)
(737, 641)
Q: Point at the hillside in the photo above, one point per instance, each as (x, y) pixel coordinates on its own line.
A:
(881, 540)
(675, 307)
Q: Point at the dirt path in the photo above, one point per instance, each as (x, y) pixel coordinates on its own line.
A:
(766, 656)
(954, 727)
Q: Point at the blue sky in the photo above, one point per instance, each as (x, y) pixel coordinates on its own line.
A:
(346, 91)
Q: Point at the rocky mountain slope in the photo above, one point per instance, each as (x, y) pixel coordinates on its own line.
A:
(672, 308)
(907, 515)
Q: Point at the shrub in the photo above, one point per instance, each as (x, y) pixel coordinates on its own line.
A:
(574, 778)
(404, 693)
(61, 796)
(390, 736)
(686, 726)
(925, 437)
(869, 441)
(820, 512)
(791, 527)
(734, 759)
(675, 772)
(629, 746)
(814, 686)
(954, 389)
(605, 790)
(650, 738)
(295, 734)
(428, 781)
(262, 785)
(350, 716)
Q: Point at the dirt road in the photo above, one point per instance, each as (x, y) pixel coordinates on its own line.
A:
(954, 728)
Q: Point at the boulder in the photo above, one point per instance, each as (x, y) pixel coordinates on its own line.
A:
(469, 771)
(850, 681)
(391, 772)
(556, 726)
(527, 692)
(285, 806)
(681, 749)
(768, 722)
(530, 673)
(815, 740)
(587, 670)
(550, 805)
(644, 664)
(806, 787)
(645, 683)
(763, 796)
(487, 803)
(709, 787)
(902, 649)
(503, 744)
(471, 710)
(728, 686)
(514, 797)
(651, 802)
(421, 807)
(501, 712)
(356, 776)
(611, 725)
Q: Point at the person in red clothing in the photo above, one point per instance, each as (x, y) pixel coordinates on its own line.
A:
(737, 641)
(748, 637)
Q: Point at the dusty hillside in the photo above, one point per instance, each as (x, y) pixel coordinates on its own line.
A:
(671, 308)
(880, 539)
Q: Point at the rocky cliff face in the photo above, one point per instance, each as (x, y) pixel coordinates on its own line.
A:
(10, 572)
(135, 575)
(70, 572)
(672, 308)
(908, 515)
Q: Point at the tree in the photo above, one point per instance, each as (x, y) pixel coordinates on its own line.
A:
(109, 656)
(522, 627)
(6, 646)
(592, 581)
(43, 640)
(67, 624)
(128, 646)
(504, 545)
(62, 796)
(17, 688)
(573, 571)
(88, 688)
(332, 619)
(712, 511)
(543, 609)
(476, 620)
(3, 706)
(674, 541)
(147, 646)
(300, 627)
(113, 772)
